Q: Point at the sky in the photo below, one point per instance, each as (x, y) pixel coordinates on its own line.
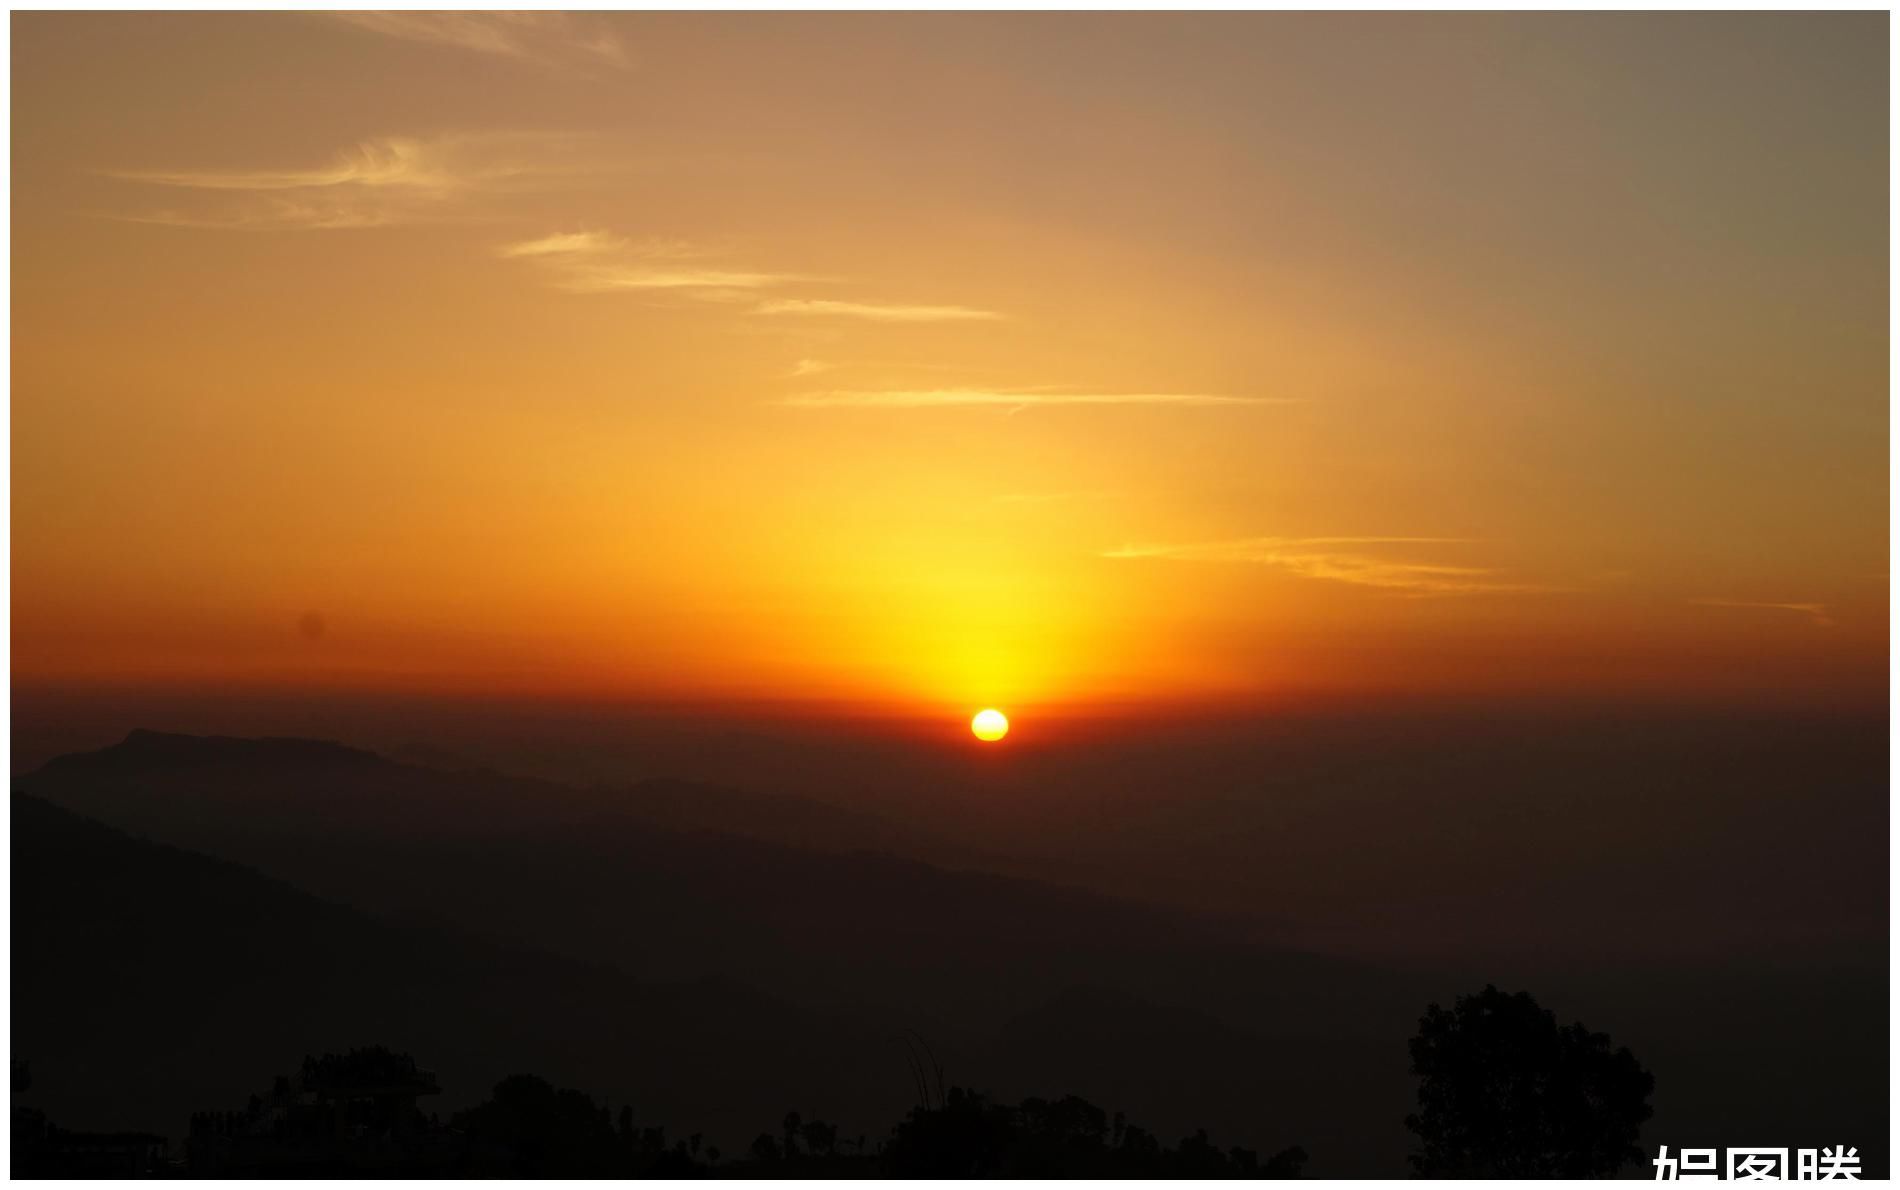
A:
(925, 362)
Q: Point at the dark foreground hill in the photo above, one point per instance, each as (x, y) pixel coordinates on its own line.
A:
(615, 940)
(151, 982)
(651, 880)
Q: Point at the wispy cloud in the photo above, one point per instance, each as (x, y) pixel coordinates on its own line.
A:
(276, 214)
(1014, 399)
(566, 245)
(375, 183)
(814, 367)
(1817, 613)
(600, 262)
(544, 38)
(1263, 549)
(1347, 560)
(873, 311)
(608, 279)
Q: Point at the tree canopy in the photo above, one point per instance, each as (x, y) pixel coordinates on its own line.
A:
(1504, 1091)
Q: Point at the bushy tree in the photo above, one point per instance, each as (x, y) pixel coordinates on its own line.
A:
(550, 1132)
(1504, 1091)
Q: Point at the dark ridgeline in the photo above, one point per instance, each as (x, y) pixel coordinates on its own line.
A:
(499, 925)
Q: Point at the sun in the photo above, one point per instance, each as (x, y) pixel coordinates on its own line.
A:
(989, 725)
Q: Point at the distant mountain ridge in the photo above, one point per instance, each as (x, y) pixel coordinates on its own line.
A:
(143, 747)
(656, 840)
(1182, 1019)
(526, 864)
(149, 981)
(122, 781)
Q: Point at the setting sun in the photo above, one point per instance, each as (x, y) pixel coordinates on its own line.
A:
(989, 725)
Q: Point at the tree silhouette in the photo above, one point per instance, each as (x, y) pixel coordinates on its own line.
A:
(970, 1136)
(1505, 1092)
(821, 1139)
(550, 1132)
(530, 1128)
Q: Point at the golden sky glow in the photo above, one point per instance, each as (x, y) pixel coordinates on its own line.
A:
(953, 360)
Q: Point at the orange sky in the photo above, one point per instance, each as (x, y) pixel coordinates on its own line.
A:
(953, 360)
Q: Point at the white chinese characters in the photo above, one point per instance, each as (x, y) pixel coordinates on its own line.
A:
(1841, 1163)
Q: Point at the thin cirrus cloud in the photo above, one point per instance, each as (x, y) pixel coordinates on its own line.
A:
(600, 262)
(1817, 613)
(565, 245)
(1012, 399)
(1346, 560)
(543, 38)
(873, 311)
(278, 214)
(815, 367)
(376, 183)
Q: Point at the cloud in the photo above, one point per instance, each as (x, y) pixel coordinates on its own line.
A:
(812, 367)
(565, 244)
(543, 38)
(1014, 399)
(599, 262)
(1263, 549)
(439, 165)
(1345, 560)
(608, 279)
(375, 183)
(1816, 612)
(875, 312)
(276, 215)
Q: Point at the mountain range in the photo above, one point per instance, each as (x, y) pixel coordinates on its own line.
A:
(193, 914)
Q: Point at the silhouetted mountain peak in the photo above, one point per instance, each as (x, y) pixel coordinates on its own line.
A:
(321, 784)
(145, 748)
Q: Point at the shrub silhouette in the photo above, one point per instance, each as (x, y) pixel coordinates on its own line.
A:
(971, 1137)
(547, 1132)
(529, 1128)
(1505, 1092)
(821, 1139)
